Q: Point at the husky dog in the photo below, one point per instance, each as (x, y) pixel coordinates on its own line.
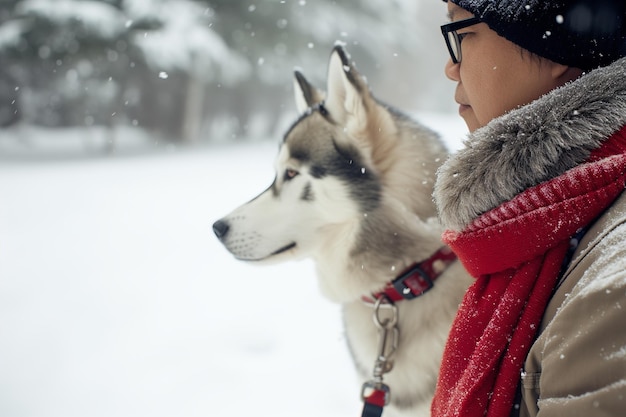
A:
(352, 191)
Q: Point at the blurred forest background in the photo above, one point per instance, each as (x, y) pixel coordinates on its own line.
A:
(205, 71)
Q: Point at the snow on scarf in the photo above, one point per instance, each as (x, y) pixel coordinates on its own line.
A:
(515, 251)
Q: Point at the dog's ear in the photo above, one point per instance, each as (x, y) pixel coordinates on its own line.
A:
(305, 93)
(347, 90)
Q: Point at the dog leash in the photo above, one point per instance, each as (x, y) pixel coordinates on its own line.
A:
(375, 393)
(411, 283)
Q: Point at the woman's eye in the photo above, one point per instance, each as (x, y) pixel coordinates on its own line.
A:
(290, 174)
(461, 36)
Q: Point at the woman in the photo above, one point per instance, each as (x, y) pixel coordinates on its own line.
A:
(534, 207)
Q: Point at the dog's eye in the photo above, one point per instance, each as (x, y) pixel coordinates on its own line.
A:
(290, 174)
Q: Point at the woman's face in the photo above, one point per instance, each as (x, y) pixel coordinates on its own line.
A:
(495, 75)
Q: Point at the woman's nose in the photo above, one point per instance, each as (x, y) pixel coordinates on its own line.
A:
(452, 70)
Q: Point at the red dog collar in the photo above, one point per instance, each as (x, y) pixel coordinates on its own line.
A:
(416, 279)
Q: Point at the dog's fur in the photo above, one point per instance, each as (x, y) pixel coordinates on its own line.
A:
(352, 191)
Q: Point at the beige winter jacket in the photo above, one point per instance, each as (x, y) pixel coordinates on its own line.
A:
(577, 366)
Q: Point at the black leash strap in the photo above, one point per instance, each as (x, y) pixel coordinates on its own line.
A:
(372, 410)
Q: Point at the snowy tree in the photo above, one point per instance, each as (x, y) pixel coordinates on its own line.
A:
(186, 44)
(278, 35)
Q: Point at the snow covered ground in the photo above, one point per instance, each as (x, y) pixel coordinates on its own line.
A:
(117, 300)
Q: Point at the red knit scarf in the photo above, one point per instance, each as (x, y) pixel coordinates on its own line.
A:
(515, 251)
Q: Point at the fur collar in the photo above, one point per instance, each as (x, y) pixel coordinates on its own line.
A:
(531, 144)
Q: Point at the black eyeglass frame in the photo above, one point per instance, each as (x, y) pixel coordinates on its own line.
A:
(451, 28)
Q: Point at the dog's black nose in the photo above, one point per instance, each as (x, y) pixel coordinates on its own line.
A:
(220, 228)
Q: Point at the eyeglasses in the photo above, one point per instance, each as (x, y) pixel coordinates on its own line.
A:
(453, 39)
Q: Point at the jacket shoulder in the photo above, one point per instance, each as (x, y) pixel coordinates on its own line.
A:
(577, 365)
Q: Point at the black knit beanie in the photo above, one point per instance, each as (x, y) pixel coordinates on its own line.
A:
(580, 33)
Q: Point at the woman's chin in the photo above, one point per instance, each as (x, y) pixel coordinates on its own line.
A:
(469, 117)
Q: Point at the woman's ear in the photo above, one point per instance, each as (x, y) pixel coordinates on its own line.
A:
(563, 73)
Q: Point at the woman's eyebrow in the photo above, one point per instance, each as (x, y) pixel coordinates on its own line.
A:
(450, 15)
(454, 13)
